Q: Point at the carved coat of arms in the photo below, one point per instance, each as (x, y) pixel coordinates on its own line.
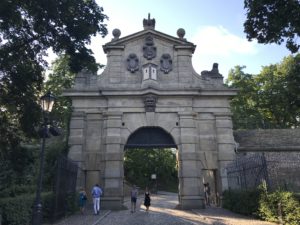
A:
(166, 63)
(149, 48)
(132, 63)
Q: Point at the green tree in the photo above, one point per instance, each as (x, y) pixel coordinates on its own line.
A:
(27, 30)
(273, 21)
(61, 78)
(244, 105)
(270, 99)
(279, 95)
(139, 164)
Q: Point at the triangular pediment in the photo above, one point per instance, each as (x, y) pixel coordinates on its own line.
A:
(143, 34)
(151, 60)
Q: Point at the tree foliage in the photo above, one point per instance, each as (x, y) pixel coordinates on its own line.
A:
(27, 30)
(270, 99)
(140, 164)
(244, 105)
(273, 22)
(61, 78)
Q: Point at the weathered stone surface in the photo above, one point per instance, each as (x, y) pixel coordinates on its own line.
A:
(268, 140)
(192, 110)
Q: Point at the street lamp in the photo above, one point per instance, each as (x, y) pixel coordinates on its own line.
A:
(47, 102)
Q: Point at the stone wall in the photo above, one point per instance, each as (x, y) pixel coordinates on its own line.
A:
(281, 151)
(267, 140)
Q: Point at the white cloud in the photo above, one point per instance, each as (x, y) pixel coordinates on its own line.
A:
(217, 44)
(219, 41)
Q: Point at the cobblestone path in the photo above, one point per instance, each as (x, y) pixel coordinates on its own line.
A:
(162, 212)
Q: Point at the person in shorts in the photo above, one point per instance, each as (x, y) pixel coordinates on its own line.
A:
(134, 195)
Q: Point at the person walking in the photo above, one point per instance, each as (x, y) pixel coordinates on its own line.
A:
(82, 200)
(96, 193)
(134, 195)
(147, 199)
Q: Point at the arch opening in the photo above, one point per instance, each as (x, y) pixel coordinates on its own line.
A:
(150, 137)
(150, 160)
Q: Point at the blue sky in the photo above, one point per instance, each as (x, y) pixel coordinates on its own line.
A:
(215, 26)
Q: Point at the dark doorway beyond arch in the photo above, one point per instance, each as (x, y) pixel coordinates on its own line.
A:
(150, 137)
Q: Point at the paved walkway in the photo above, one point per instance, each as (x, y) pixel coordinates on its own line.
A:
(162, 212)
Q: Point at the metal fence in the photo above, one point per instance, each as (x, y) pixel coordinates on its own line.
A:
(278, 170)
(247, 172)
(65, 186)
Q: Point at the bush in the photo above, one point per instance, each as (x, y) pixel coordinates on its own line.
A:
(16, 190)
(72, 203)
(18, 210)
(241, 201)
(279, 206)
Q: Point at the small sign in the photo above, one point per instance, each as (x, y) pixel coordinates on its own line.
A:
(153, 176)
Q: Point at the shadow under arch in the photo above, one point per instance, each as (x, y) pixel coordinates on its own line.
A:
(150, 137)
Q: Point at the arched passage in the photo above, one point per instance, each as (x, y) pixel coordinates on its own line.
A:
(150, 160)
(150, 137)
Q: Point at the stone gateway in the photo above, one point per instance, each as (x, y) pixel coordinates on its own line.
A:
(150, 95)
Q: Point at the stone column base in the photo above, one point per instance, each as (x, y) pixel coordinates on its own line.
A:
(113, 203)
(191, 202)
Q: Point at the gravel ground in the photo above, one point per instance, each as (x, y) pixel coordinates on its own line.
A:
(88, 218)
(162, 212)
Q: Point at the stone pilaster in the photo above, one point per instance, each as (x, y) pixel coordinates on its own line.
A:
(184, 60)
(93, 152)
(226, 145)
(114, 154)
(207, 140)
(115, 65)
(190, 170)
(76, 143)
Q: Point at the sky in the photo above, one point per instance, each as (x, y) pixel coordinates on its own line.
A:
(214, 26)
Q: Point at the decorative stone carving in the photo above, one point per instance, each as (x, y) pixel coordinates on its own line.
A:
(150, 103)
(132, 63)
(166, 63)
(116, 33)
(149, 23)
(149, 48)
(214, 73)
(181, 33)
(149, 71)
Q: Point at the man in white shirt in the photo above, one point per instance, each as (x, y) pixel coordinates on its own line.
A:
(96, 193)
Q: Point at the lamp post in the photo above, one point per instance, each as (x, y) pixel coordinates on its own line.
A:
(47, 102)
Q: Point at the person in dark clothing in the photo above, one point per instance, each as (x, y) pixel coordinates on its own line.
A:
(82, 200)
(147, 199)
(207, 194)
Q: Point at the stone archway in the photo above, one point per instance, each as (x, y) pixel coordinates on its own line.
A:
(154, 139)
(149, 81)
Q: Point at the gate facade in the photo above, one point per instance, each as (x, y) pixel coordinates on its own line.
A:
(148, 86)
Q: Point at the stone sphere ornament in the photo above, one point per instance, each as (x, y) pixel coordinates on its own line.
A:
(180, 33)
(116, 33)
